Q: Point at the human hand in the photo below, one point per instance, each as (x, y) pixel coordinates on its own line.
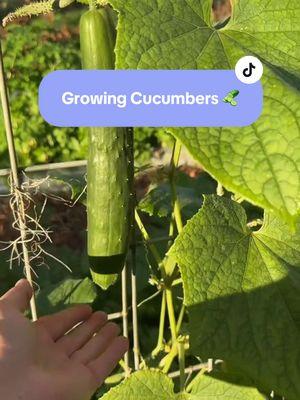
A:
(43, 360)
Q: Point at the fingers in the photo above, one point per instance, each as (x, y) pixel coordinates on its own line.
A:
(97, 345)
(60, 323)
(19, 296)
(82, 333)
(103, 366)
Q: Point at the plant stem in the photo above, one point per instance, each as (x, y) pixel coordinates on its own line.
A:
(147, 239)
(157, 240)
(174, 164)
(160, 340)
(141, 303)
(191, 384)
(92, 4)
(113, 379)
(177, 216)
(171, 230)
(168, 360)
(174, 350)
(125, 315)
(168, 290)
(177, 282)
(136, 346)
(171, 313)
(180, 319)
(181, 359)
(188, 370)
(176, 154)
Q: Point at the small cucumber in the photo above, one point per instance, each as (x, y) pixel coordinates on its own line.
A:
(110, 164)
(96, 40)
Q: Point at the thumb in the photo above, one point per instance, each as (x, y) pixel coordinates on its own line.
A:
(19, 296)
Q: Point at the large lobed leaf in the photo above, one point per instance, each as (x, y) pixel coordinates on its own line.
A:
(66, 293)
(242, 291)
(154, 385)
(158, 200)
(260, 162)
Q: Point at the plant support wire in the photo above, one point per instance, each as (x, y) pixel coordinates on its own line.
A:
(125, 315)
(135, 327)
(16, 189)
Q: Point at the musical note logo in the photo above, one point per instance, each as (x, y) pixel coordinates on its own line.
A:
(247, 72)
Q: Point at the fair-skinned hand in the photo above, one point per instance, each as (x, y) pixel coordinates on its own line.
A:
(41, 360)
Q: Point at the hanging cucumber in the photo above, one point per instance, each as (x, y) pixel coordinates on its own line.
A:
(110, 164)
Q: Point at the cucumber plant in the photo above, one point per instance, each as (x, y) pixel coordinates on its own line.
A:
(240, 284)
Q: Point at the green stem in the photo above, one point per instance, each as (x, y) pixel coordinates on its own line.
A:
(160, 340)
(177, 282)
(92, 4)
(181, 359)
(176, 153)
(114, 379)
(156, 240)
(177, 215)
(171, 231)
(174, 164)
(147, 239)
(191, 384)
(172, 319)
(168, 290)
(180, 319)
(168, 360)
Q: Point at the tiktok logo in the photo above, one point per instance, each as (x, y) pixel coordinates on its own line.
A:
(249, 70)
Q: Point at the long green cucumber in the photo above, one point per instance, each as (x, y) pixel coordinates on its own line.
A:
(110, 164)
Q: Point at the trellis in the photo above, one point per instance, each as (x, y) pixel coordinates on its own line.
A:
(17, 190)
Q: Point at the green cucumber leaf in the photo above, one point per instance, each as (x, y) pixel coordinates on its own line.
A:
(269, 29)
(260, 162)
(154, 385)
(242, 292)
(158, 200)
(208, 387)
(149, 384)
(66, 293)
